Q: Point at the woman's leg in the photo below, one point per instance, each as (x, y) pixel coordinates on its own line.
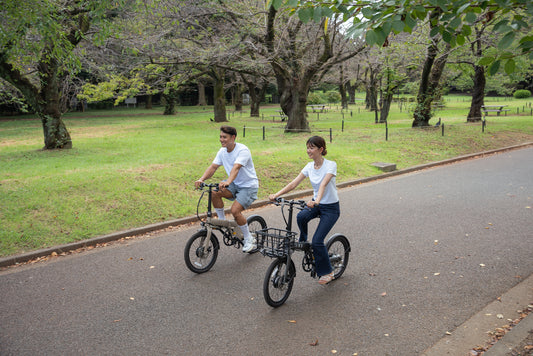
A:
(303, 218)
(329, 214)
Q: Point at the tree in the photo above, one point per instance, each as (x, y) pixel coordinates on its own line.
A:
(37, 53)
(300, 54)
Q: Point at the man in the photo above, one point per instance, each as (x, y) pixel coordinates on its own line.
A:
(241, 185)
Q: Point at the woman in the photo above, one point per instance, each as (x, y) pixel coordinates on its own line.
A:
(325, 203)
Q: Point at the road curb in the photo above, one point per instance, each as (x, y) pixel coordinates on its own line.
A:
(25, 257)
(475, 330)
(513, 338)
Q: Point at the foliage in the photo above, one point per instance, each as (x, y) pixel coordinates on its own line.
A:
(376, 20)
(522, 94)
(320, 97)
(333, 96)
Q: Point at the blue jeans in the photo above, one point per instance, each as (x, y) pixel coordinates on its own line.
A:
(329, 214)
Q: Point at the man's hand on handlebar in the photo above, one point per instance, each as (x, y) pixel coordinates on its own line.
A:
(198, 184)
(222, 185)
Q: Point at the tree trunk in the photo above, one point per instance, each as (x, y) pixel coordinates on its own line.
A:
(44, 101)
(351, 92)
(149, 98)
(237, 97)
(170, 102)
(201, 94)
(219, 95)
(294, 104)
(478, 95)
(429, 83)
(385, 106)
(256, 96)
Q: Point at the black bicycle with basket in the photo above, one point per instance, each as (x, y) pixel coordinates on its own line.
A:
(280, 244)
(201, 251)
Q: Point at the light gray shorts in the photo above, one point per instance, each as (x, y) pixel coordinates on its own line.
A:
(245, 196)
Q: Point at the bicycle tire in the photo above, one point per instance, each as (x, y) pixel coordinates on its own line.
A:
(338, 248)
(198, 260)
(255, 223)
(276, 290)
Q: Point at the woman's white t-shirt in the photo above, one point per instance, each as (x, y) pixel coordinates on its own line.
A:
(316, 176)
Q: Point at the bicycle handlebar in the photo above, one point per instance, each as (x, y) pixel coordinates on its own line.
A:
(208, 185)
(300, 204)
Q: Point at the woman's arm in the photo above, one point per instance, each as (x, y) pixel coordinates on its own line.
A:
(296, 181)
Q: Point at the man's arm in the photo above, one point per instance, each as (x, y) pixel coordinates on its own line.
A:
(207, 174)
(232, 175)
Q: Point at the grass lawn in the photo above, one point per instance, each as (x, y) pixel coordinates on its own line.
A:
(132, 167)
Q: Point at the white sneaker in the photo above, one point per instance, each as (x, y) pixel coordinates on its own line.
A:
(249, 244)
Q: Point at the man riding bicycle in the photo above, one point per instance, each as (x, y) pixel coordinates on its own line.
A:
(242, 184)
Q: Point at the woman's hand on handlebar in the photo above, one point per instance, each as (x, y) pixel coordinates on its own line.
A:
(273, 197)
(311, 203)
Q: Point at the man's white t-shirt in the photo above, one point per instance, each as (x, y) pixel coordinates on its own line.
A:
(246, 178)
(317, 175)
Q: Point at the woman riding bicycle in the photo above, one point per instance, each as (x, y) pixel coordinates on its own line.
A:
(325, 203)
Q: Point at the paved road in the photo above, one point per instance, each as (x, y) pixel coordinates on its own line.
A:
(430, 249)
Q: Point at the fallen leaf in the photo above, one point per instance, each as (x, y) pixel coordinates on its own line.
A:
(152, 267)
(315, 343)
(291, 321)
(436, 274)
(333, 351)
(448, 333)
(383, 294)
(499, 316)
(131, 298)
(482, 264)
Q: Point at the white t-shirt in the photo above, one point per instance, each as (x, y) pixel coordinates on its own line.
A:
(316, 176)
(246, 178)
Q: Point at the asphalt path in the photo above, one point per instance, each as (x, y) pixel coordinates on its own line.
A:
(430, 249)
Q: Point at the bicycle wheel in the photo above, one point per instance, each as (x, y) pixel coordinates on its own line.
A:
(338, 248)
(199, 258)
(277, 287)
(255, 223)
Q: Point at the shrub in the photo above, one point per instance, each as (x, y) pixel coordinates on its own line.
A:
(316, 98)
(333, 96)
(522, 94)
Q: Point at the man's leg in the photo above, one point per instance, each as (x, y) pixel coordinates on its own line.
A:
(249, 241)
(218, 203)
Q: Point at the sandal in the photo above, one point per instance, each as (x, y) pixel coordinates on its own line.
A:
(325, 279)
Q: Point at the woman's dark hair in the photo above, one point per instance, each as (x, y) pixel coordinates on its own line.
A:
(318, 142)
(229, 130)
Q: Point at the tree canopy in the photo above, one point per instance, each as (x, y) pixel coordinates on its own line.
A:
(376, 20)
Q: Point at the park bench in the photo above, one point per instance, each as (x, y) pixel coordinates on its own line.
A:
(132, 101)
(318, 108)
(498, 109)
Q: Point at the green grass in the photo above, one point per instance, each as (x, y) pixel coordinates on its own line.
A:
(132, 167)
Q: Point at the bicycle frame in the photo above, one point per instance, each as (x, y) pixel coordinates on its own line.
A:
(211, 223)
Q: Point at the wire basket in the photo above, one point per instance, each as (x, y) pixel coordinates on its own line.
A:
(274, 242)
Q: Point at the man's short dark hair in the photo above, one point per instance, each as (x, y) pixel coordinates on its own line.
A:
(229, 130)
